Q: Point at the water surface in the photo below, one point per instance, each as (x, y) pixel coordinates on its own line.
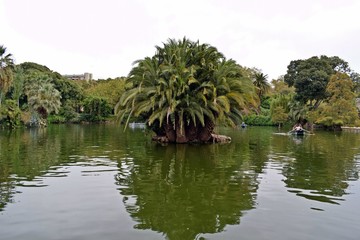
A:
(98, 182)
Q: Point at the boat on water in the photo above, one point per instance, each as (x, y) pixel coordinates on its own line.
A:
(134, 125)
(299, 132)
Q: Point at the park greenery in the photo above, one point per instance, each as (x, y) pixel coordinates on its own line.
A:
(182, 93)
(185, 90)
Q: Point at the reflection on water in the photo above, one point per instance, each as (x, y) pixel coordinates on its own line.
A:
(177, 191)
(320, 166)
(183, 190)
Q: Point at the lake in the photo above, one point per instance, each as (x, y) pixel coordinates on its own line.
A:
(98, 182)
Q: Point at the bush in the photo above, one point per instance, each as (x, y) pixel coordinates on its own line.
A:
(258, 120)
(95, 109)
(263, 119)
(69, 113)
(10, 114)
(56, 119)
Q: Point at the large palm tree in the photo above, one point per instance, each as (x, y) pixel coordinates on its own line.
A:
(6, 66)
(184, 90)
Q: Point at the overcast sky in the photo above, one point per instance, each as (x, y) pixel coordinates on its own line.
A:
(105, 37)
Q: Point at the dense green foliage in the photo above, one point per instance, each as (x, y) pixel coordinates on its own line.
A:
(182, 92)
(311, 76)
(263, 119)
(186, 85)
(261, 84)
(314, 80)
(10, 114)
(339, 109)
(42, 95)
(96, 109)
(6, 73)
(279, 108)
(110, 90)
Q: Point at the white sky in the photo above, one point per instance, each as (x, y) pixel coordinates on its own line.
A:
(105, 37)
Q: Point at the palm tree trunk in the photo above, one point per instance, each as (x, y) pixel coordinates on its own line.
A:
(170, 132)
(180, 133)
(206, 131)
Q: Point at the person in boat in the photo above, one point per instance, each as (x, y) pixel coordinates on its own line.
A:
(298, 128)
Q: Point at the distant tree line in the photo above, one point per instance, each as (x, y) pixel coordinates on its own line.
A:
(182, 93)
(33, 95)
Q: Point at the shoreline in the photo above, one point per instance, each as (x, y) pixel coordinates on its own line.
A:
(351, 129)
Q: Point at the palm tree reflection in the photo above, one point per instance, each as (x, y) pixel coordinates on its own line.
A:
(185, 190)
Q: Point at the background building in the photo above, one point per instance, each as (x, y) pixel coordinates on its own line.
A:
(86, 76)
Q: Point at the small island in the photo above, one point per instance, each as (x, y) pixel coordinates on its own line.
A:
(184, 90)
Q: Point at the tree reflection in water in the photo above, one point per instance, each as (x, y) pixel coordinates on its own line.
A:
(28, 154)
(321, 165)
(185, 190)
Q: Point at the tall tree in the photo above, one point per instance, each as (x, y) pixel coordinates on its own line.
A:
(18, 84)
(110, 89)
(280, 87)
(261, 83)
(6, 74)
(96, 109)
(71, 92)
(43, 98)
(279, 116)
(185, 89)
(279, 108)
(339, 109)
(310, 77)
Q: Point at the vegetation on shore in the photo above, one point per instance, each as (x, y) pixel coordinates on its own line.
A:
(182, 93)
(186, 89)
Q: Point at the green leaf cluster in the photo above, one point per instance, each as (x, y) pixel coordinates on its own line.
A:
(6, 71)
(339, 109)
(10, 114)
(96, 109)
(185, 83)
(263, 119)
(110, 90)
(42, 96)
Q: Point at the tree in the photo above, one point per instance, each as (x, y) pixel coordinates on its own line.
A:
(10, 113)
(310, 78)
(6, 74)
(281, 87)
(261, 84)
(72, 96)
(279, 108)
(71, 92)
(279, 115)
(339, 109)
(184, 90)
(110, 89)
(96, 109)
(355, 77)
(43, 98)
(18, 84)
(297, 111)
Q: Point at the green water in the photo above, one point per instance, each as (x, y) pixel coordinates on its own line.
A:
(97, 182)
